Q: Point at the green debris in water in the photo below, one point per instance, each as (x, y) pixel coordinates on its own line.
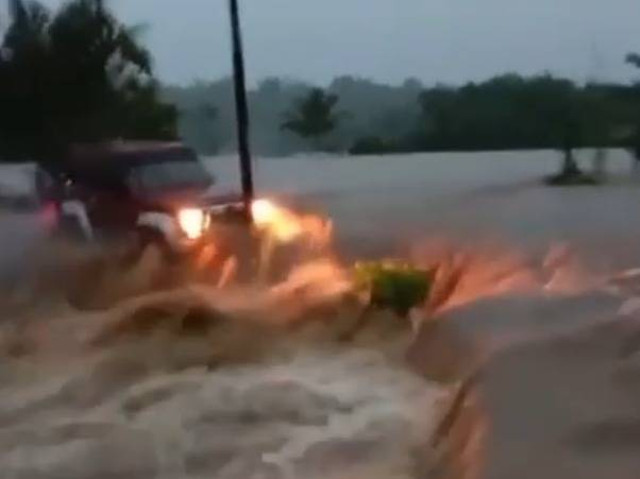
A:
(396, 286)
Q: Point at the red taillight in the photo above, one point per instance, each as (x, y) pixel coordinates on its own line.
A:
(49, 214)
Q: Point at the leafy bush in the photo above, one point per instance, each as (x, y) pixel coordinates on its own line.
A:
(372, 145)
(395, 286)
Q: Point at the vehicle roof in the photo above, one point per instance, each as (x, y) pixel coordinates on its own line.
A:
(120, 155)
(130, 150)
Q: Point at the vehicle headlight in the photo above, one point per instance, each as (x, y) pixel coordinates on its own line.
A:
(193, 222)
(264, 212)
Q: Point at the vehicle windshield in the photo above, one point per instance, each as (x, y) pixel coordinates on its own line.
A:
(172, 175)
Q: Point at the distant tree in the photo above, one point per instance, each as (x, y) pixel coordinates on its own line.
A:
(197, 127)
(633, 142)
(372, 145)
(599, 129)
(413, 85)
(439, 111)
(78, 75)
(24, 68)
(567, 124)
(633, 59)
(502, 113)
(270, 87)
(313, 116)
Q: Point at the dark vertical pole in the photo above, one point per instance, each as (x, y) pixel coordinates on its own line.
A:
(242, 109)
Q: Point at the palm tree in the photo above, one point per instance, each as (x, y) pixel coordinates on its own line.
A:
(28, 28)
(633, 59)
(314, 116)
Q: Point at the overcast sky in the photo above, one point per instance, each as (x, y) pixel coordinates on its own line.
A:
(390, 40)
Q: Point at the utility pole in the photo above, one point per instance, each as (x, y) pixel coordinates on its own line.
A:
(242, 109)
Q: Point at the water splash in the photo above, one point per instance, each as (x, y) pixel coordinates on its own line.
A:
(468, 274)
(201, 379)
(217, 377)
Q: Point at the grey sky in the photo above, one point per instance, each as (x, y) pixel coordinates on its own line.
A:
(389, 40)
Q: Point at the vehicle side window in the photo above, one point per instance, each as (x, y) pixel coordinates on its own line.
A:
(105, 180)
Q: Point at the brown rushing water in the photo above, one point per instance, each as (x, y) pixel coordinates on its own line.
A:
(238, 399)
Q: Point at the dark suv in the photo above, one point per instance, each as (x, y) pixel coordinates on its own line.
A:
(160, 192)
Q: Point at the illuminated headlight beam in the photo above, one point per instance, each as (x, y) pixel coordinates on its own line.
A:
(280, 223)
(193, 222)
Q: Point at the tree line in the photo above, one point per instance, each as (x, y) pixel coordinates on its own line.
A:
(289, 116)
(77, 74)
(357, 115)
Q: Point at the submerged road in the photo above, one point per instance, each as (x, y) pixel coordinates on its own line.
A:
(400, 200)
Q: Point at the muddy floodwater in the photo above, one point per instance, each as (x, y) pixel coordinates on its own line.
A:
(489, 196)
(509, 375)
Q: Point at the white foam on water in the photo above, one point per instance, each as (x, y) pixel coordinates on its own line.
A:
(329, 414)
(160, 402)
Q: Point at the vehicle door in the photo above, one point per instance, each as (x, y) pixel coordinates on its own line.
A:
(110, 204)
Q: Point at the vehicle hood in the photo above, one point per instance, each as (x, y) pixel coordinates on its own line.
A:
(192, 198)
